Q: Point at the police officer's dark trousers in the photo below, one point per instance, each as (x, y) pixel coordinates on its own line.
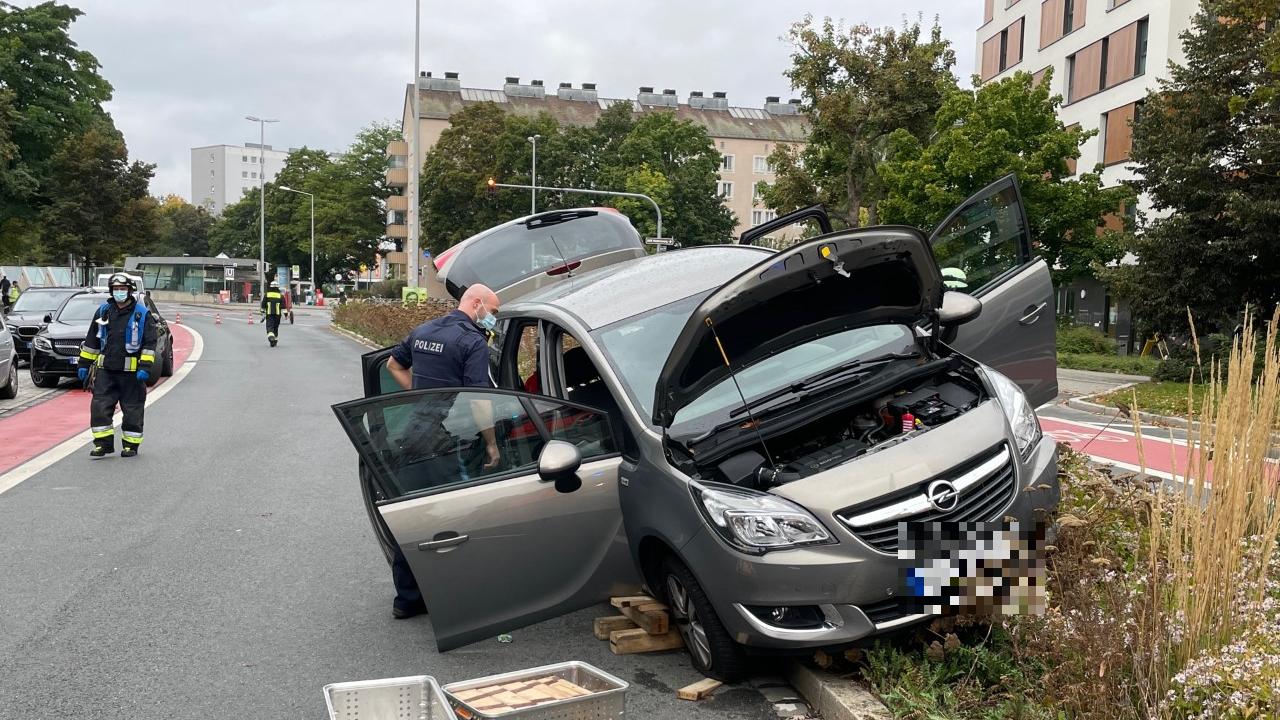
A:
(112, 387)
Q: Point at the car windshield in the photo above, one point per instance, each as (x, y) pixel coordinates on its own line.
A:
(638, 346)
(80, 308)
(513, 253)
(38, 301)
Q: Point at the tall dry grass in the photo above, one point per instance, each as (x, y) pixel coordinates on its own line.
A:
(1211, 536)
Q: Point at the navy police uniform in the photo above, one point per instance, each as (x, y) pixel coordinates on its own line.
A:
(450, 351)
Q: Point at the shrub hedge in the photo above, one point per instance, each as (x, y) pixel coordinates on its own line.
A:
(387, 322)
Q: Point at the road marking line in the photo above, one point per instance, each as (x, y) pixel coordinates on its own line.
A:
(30, 468)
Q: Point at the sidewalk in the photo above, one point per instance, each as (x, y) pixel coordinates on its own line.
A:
(1074, 383)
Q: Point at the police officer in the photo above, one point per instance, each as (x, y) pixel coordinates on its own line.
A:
(121, 344)
(272, 309)
(5, 302)
(450, 351)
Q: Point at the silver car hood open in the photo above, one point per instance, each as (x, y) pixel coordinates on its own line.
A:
(825, 286)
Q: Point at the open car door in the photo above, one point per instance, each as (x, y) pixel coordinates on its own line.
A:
(495, 544)
(984, 248)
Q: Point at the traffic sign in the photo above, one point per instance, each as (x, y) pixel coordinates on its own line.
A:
(229, 272)
(295, 271)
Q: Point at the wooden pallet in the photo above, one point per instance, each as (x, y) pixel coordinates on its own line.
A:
(643, 626)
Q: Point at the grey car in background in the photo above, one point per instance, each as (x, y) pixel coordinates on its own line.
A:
(738, 430)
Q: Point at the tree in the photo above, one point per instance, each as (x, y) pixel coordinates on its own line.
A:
(236, 230)
(858, 85)
(1207, 150)
(98, 208)
(1010, 126)
(49, 91)
(183, 229)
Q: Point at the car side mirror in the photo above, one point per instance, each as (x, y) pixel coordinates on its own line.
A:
(559, 462)
(48, 319)
(958, 308)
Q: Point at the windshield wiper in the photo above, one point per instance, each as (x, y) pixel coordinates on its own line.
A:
(856, 368)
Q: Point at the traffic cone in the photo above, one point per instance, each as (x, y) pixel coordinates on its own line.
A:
(178, 319)
(250, 317)
(217, 318)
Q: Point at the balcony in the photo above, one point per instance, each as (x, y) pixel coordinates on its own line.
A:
(397, 231)
(398, 176)
(398, 203)
(398, 148)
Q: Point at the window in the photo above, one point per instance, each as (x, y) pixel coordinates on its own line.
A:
(1140, 63)
(244, 173)
(244, 158)
(210, 172)
(724, 189)
(991, 56)
(986, 239)
(726, 163)
(1113, 4)
(1117, 133)
(1068, 16)
(1039, 75)
(1085, 72)
(253, 158)
(760, 217)
(210, 158)
(1011, 45)
(254, 175)
(1059, 18)
(1126, 54)
(1072, 162)
(756, 194)
(761, 164)
(988, 11)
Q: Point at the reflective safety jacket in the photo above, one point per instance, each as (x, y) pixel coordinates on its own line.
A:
(273, 303)
(121, 338)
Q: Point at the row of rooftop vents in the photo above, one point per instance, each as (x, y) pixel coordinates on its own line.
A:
(535, 89)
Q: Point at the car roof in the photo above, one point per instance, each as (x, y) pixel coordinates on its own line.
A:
(615, 292)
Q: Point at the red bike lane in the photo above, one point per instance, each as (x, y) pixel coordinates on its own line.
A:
(1119, 446)
(27, 433)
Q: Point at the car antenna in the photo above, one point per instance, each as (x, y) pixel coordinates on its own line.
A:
(747, 406)
(564, 261)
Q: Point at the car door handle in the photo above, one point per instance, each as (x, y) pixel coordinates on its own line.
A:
(1032, 315)
(443, 543)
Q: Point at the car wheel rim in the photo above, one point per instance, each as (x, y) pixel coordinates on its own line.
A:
(687, 620)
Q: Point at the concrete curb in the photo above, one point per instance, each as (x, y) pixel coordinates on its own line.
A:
(354, 336)
(834, 697)
(1083, 403)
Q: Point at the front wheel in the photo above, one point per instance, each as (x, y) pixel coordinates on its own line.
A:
(42, 380)
(713, 651)
(167, 369)
(10, 389)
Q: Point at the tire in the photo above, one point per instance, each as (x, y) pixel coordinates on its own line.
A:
(166, 369)
(712, 650)
(41, 380)
(10, 389)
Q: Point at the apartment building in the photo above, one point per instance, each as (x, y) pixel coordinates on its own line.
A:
(221, 174)
(745, 136)
(1106, 55)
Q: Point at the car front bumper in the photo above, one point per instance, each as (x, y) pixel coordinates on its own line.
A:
(53, 364)
(853, 586)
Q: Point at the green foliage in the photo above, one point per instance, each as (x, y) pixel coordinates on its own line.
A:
(1010, 126)
(183, 229)
(97, 202)
(673, 161)
(1206, 147)
(1123, 364)
(859, 84)
(1080, 339)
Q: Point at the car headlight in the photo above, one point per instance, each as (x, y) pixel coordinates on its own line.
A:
(757, 522)
(42, 343)
(13, 329)
(1022, 419)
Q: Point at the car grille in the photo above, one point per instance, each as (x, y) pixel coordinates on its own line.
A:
(978, 502)
(885, 611)
(67, 347)
(26, 332)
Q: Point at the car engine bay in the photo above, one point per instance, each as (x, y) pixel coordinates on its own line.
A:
(865, 425)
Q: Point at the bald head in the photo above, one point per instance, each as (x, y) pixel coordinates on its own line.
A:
(477, 297)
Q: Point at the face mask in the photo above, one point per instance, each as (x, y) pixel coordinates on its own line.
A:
(120, 295)
(488, 322)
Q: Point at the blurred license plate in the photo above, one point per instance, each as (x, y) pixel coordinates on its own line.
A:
(978, 568)
(73, 361)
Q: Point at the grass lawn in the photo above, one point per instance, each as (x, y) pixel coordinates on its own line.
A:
(1127, 364)
(1161, 398)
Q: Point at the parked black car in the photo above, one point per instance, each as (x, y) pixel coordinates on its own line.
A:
(27, 316)
(55, 350)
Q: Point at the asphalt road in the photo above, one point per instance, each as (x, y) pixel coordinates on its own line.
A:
(229, 570)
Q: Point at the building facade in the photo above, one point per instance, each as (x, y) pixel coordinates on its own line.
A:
(1105, 56)
(745, 136)
(222, 174)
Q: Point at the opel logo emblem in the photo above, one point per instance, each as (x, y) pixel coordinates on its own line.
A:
(942, 495)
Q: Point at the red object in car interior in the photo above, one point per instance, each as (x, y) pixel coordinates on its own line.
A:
(567, 267)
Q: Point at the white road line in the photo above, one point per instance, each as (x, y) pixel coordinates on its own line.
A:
(14, 477)
(1134, 468)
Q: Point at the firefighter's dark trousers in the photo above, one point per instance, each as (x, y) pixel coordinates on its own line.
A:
(112, 387)
(273, 325)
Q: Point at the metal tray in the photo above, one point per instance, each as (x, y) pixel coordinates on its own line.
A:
(608, 698)
(416, 697)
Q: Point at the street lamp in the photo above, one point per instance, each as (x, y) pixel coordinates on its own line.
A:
(415, 165)
(313, 234)
(262, 202)
(533, 176)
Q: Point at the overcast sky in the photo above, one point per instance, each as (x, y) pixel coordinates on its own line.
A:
(186, 73)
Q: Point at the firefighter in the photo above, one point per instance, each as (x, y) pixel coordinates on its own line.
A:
(272, 309)
(121, 347)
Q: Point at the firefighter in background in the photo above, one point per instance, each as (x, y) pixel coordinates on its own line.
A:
(121, 347)
(272, 308)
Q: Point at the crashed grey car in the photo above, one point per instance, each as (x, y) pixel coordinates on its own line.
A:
(738, 430)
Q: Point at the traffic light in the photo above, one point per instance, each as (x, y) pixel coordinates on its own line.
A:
(491, 187)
